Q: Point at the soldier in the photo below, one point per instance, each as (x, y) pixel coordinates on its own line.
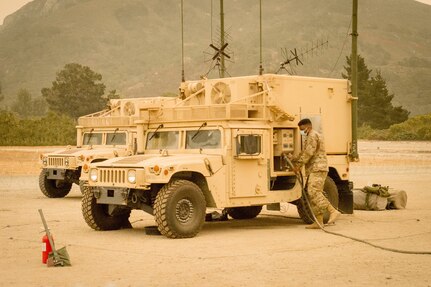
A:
(313, 156)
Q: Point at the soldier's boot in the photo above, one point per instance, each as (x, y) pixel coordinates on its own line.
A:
(333, 214)
(314, 225)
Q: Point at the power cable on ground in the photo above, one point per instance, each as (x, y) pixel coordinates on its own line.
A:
(305, 195)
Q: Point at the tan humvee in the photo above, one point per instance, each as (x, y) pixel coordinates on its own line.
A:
(221, 146)
(100, 136)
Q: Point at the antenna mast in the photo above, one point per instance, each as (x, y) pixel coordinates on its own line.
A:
(260, 36)
(222, 68)
(183, 79)
(354, 66)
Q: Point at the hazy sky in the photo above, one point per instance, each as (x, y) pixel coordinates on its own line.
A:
(7, 7)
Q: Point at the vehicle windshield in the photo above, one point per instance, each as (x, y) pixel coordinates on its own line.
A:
(93, 138)
(162, 140)
(205, 139)
(116, 138)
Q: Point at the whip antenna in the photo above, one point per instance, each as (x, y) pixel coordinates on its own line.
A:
(183, 79)
(222, 43)
(260, 36)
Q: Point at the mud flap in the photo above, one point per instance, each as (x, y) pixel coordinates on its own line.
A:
(345, 197)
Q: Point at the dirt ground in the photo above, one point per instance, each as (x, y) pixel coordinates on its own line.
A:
(272, 250)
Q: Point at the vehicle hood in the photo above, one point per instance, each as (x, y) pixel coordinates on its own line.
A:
(72, 152)
(183, 162)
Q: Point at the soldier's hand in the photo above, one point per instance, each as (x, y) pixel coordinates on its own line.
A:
(296, 169)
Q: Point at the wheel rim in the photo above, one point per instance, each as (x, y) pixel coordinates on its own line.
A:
(184, 210)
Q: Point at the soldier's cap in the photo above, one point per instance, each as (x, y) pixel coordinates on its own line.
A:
(304, 122)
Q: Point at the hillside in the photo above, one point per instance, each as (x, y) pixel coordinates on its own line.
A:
(136, 45)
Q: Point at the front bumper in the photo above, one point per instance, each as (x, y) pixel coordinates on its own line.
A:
(111, 195)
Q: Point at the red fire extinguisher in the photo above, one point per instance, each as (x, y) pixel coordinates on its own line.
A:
(46, 248)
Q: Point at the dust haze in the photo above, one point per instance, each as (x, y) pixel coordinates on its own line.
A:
(272, 250)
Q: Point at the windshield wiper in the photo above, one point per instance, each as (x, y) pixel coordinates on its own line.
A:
(115, 134)
(89, 136)
(155, 132)
(199, 129)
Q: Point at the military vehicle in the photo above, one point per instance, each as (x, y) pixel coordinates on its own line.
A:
(221, 145)
(100, 136)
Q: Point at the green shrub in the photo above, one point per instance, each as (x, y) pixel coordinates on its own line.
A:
(417, 128)
(52, 129)
(368, 133)
(8, 125)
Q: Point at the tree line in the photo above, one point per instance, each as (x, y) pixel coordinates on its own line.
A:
(51, 119)
(77, 90)
(375, 108)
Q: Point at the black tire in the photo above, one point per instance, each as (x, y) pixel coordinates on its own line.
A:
(53, 188)
(97, 216)
(82, 186)
(331, 193)
(179, 209)
(244, 212)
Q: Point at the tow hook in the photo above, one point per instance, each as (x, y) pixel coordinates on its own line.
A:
(97, 193)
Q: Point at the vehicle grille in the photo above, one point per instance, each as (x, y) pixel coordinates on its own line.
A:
(55, 161)
(112, 176)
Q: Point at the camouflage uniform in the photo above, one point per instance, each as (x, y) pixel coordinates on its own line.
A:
(313, 156)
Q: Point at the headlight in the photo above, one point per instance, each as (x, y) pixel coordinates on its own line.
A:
(93, 174)
(44, 160)
(131, 176)
(66, 161)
